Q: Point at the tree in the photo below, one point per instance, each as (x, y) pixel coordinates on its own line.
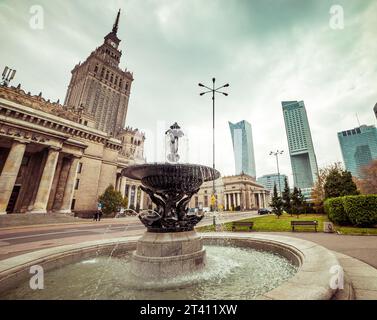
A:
(302, 202)
(286, 197)
(296, 202)
(339, 183)
(318, 191)
(111, 200)
(277, 203)
(367, 183)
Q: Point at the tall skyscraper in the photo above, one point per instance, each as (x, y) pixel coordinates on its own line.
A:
(242, 138)
(375, 110)
(101, 87)
(301, 149)
(359, 147)
(269, 180)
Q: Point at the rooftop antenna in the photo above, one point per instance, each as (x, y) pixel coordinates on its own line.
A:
(7, 76)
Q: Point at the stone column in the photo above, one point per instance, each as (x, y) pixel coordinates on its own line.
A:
(123, 182)
(225, 201)
(40, 203)
(141, 199)
(69, 186)
(10, 171)
(135, 197)
(239, 199)
(129, 196)
(264, 200)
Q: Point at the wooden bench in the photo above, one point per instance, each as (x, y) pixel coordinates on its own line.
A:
(242, 224)
(304, 223)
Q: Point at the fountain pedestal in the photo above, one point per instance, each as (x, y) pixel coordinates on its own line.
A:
(169, 254)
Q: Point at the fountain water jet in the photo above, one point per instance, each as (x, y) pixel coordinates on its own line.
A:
(170, 246)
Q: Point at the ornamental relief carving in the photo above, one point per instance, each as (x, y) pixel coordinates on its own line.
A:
(24, 134)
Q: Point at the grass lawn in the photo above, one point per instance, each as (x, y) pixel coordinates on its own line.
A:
(272, 223)
(356, 231)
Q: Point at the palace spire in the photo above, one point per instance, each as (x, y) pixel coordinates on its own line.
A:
(115, 26)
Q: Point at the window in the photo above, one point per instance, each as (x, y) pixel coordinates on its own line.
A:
(77, 184)
(73, 204)
(206, 201)
(79, 168)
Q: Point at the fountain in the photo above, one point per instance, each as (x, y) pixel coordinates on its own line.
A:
(172, 261)
(170, 246)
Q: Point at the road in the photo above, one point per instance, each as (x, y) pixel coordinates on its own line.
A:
(15, 241)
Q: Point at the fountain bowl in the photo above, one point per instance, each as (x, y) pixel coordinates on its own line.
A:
(166, 177)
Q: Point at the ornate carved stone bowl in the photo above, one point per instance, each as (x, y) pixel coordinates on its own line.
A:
(170, 187)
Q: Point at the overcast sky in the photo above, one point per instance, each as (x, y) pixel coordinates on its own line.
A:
(268, 50)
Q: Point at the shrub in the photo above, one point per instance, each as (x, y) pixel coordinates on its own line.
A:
(111, 200)
(335, 210)
(361, 210)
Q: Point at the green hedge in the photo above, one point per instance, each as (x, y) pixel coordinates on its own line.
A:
(335, 210)
(359, 210)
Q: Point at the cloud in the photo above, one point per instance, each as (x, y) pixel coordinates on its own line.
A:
(268, 51)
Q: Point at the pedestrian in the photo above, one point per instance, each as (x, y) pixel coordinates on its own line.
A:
(95, 216)
(99, 215)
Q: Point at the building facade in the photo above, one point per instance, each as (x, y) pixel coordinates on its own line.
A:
(61, 158)
(359, 147)
(301, 149)
(243, 147)
(269, 180)
(101, 87)
(238, 192)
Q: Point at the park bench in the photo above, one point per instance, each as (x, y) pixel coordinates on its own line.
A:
(242, 224)
(304, 223)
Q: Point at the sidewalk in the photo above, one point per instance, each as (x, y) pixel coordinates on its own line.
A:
(363, 248)
(69, 224)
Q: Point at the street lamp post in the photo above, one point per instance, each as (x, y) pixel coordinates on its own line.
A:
(7, 76)
(214, 90)
(276, 154)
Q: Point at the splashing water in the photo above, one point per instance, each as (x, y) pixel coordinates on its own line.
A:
(230, 273)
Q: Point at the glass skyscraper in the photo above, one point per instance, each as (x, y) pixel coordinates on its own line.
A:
(359, 147)
(301, 149)
(269, 180)
(242, 138)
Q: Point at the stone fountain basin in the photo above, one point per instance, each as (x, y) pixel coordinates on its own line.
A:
(166, 176)
(312, 281)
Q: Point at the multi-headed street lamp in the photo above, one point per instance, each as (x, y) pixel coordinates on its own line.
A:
(7, 76)
(276, 154)
(214, 90)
